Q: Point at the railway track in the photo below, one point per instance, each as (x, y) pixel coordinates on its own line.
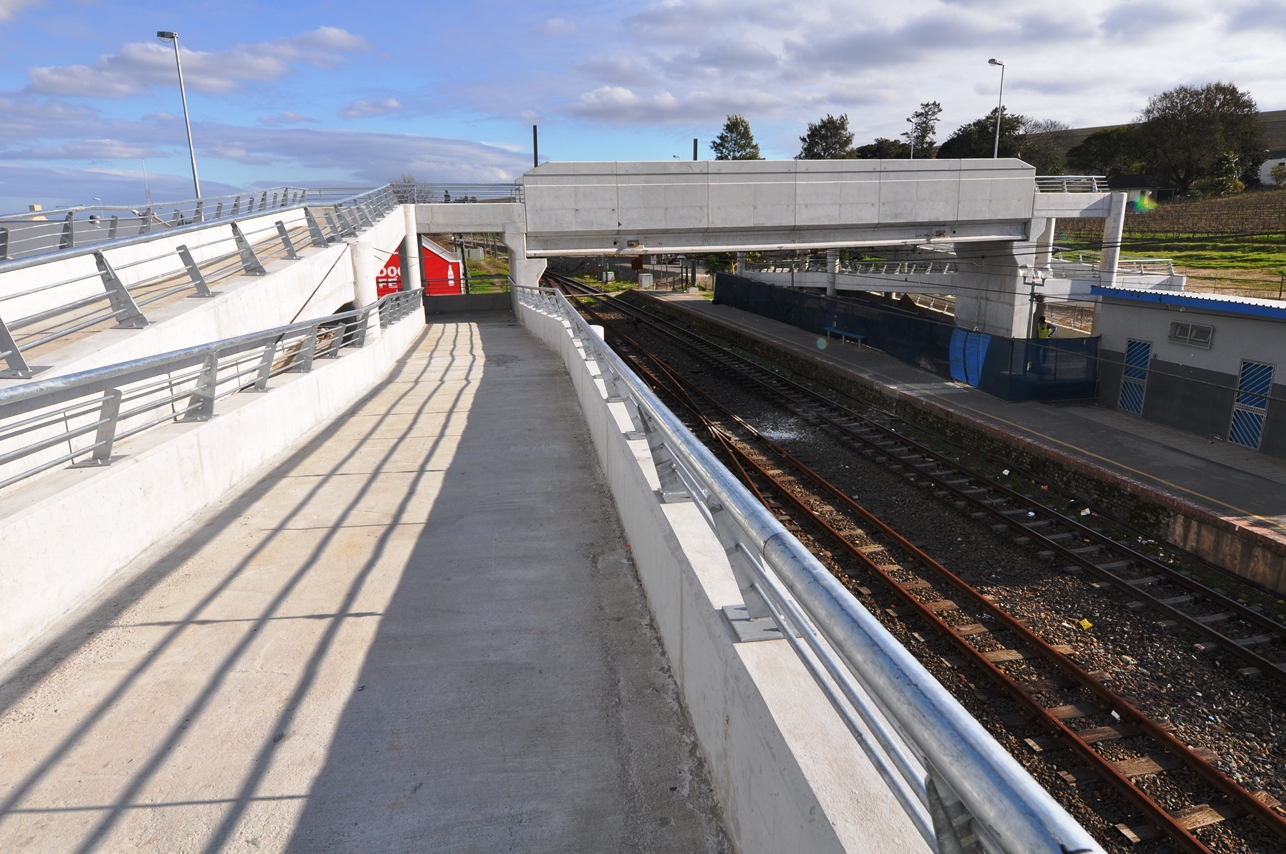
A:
(1078, 711)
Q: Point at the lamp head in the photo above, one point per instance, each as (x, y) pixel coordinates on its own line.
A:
(166, 35)
(995, 62)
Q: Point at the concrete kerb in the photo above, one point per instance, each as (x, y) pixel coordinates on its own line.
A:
(107, 517)
(788, 774)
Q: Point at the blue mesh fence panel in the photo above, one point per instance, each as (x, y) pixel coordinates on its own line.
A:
(1013, 369)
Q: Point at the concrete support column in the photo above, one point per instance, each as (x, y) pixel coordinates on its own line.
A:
(412, 277)
(741, 264)
(362, 255)
(1112, 228)
(525, 272)
(1045, 245)
(832, 270)
(991, 295)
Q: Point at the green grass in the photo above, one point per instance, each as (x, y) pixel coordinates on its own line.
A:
(1267, 253)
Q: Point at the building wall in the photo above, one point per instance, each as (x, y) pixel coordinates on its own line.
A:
(1192, 388)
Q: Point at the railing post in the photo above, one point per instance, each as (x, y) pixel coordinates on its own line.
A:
(177, 219)
(348, 223)
(364, 214)
(123, 306)
(249, 260)
(274, 199)
(201, 403)
(218, 211)
(112, 226)
(263, 200)
(304, 359)
(236, 207)
(265, 368)
(108, 416)
(291, 254)
(146, 227)
(68, 238)
(199, 216)
(334, 226)
(18, 367)
(194, 273)
(4, 241)
(314, 230)
(359, 339)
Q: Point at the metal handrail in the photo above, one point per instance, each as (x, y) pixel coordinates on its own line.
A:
(89, 411)
(423, 194)
(57, 234)
(262, 239)
(960, 788)
(1071, 184)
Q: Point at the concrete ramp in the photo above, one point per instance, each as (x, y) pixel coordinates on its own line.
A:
(420, 631)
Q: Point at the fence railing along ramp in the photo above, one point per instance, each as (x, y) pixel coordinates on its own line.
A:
(959, 789)
(99, 465)
(131, 274)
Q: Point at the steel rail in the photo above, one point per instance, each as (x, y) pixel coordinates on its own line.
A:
(1169, 742)
(1005, 803)
(1189, 622)
(1156, 814)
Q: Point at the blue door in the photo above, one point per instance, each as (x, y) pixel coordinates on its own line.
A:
(1134, 378)
(1251, 404)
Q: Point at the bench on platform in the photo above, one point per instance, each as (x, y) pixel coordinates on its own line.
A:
(843, 335)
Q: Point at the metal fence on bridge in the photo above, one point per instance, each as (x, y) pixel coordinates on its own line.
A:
(1009, 368)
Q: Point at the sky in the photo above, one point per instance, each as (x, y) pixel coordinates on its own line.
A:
(321, 93)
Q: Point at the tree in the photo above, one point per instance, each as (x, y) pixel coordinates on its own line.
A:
(827, 139)
(924, 124)
(735, 141)
(1041, 144)
(1186, 133)
(977, 139)
(1110, 152)
(882, 149)
(1279, 175)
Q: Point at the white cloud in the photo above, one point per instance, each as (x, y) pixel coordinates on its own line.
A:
(285, 118)
(785, 62)
(9, 8)
(160, 116)
(364, 109)
(557, 27)
(141, 65)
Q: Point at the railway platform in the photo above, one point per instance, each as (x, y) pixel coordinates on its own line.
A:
(1221, 501)
(421, 630)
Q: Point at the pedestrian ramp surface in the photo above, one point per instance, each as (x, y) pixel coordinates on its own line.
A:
(420, 631)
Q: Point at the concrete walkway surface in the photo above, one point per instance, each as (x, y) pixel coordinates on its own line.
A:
(420, 632)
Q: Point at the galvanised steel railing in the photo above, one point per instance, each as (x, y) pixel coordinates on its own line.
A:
(78, 418)
(960, 788)
(858, 268)
(237, 245)
(39, 232)
(1071, 184)
(426, 194)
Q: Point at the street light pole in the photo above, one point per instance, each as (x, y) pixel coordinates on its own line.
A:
(1000, 105)
(912, 121)
(166, 35)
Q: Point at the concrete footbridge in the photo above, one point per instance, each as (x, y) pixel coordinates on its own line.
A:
(291, 563)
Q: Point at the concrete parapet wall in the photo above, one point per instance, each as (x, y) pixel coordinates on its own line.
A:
(788, 774)
(64, 536)
(479, 217)
(456, 303)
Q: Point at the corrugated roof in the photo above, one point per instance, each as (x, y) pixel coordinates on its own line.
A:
(1248, 306)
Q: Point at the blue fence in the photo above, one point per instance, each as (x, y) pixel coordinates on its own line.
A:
(1009, 368)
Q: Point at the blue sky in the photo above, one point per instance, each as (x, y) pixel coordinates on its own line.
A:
(357, 94)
